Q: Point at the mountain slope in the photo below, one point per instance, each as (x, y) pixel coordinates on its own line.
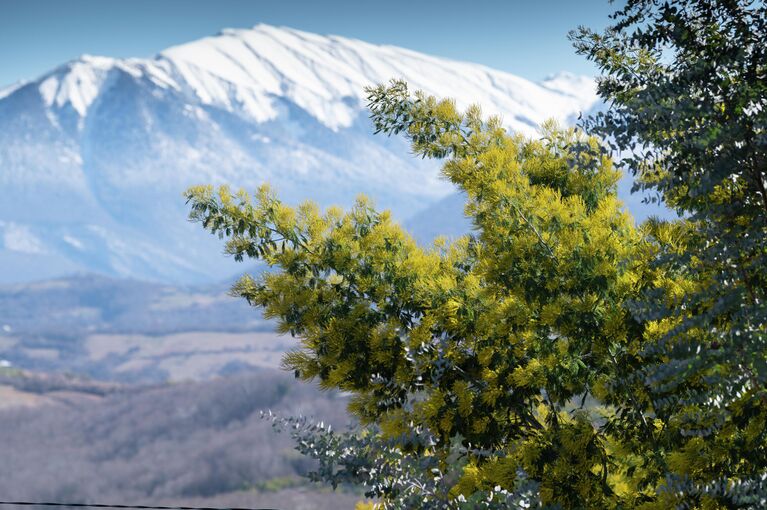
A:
(94, 155)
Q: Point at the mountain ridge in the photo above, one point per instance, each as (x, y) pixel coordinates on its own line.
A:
(94, 154)
(170, 68)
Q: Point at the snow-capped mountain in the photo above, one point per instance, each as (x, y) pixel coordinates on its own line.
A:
(95, 154)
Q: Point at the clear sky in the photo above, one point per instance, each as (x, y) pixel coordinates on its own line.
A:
(525, 37)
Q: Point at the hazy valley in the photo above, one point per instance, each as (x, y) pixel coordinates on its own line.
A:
(128, 372)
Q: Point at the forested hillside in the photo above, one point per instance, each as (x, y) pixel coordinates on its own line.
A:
(89, 441)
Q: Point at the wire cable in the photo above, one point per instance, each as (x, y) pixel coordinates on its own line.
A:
(141, 507)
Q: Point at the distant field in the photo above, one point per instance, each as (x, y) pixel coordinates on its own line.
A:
(11, 397)
(88, 304)
(131, 331)
(187, 356)
(146, 359)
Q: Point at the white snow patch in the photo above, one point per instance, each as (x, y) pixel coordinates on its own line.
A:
(73, 241)
(20, 238)
(77, 83)
(572, 85)
(48, 89)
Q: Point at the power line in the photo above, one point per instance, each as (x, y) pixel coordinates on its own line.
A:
(142, 507)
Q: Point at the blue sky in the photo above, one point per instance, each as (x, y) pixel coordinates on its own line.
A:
(525, 37)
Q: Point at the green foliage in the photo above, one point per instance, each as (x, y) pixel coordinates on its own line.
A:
(687, 85)
(496, 339)
(401, 478)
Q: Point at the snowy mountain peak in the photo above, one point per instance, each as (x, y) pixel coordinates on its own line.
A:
(327, 75)
(76, 83)
(94, 154)
(249, 71)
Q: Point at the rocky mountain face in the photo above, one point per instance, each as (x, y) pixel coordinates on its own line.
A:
(94, 155)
